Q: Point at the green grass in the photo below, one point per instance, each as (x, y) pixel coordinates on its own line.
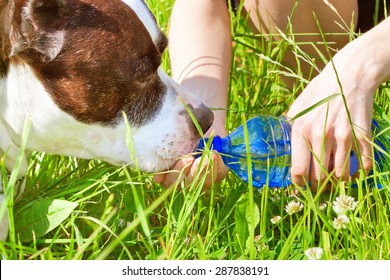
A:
(103, 212)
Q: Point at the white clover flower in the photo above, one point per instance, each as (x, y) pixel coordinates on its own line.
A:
(340, 222)
(293, 207)
(275, 220)
(323, 206)
(343, 204)
(314, 253)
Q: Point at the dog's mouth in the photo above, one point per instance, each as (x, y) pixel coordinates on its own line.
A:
(168, 158)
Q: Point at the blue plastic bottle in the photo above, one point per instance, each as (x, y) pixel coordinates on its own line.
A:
(269, 148)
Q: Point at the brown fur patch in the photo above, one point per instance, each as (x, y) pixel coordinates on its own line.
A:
(108, 62)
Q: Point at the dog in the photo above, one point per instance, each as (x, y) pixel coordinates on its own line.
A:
(76, 69)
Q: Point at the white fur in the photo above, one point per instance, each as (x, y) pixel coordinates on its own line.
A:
(144, 14)
(56, 132)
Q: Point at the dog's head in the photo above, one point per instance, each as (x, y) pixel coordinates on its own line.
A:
(77, 67)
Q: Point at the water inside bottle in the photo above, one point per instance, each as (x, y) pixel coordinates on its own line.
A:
(269, 150)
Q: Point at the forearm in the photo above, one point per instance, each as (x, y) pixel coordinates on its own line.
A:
(200, 52)
(375, 46)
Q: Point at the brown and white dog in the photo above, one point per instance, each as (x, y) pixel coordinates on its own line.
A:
(73, 66)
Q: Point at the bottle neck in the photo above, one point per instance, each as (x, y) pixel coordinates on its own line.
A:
(218, 144)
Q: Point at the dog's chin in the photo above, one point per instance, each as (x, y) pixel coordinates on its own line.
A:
(158, 164)
(152, 165)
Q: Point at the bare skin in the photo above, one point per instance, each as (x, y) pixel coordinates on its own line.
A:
(361, 66)
(203, 69)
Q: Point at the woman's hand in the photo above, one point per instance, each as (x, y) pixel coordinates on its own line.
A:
(187, 169)
(323, 138)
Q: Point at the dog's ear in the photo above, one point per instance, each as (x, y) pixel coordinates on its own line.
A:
(34, 27)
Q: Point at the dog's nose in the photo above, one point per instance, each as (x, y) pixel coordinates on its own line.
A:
(204, 117)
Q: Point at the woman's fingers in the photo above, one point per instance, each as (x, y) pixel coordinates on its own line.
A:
(189, 169)
(341, 163)
(300, 156)
(320, 161)
(176, 174)
(316, 159)
(365, 149)
(214, 169)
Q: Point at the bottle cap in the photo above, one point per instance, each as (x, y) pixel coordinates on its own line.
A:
(216, 144)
